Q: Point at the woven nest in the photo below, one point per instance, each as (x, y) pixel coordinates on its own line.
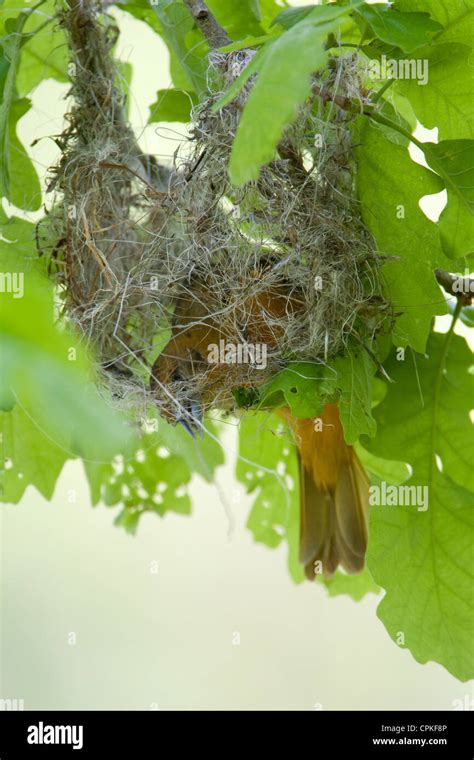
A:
(136, 250)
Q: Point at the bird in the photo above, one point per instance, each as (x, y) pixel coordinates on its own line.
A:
(334, 495)
(333, 485)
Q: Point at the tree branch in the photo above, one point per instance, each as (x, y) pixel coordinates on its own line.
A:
(366, 109)
(460, 287)
(207, 23)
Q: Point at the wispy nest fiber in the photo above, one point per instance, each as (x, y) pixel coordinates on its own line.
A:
(284, 261)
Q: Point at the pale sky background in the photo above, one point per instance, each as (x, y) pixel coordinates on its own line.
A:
(166, 640)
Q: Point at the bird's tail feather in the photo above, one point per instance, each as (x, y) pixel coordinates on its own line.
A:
(334, 496)
(333, 528)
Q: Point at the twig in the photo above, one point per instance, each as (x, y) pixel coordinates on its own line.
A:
(138, 175)
(209, 26)
(340, 100)
(364, 109)
(460, 287)
(375, 360)
(98, 255)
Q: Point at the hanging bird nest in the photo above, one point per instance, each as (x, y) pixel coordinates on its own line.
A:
(284, 261)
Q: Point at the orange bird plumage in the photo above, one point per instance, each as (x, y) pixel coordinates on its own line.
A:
(334, 488)
(334, 495)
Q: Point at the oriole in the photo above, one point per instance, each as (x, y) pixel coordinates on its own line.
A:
(334, 487)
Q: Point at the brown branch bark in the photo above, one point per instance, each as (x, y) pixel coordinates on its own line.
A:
(215, 35)
(460, 287)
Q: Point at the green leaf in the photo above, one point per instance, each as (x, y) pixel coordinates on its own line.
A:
(354, 379)
(319, 14)
(269, 9)
(11, 45)
(143, 11)
(265, 444)
(298, 386)
(282, 85)
(172, 105)
(247, 42)
(453, 160)
(392, 472)
(407, 31)
(426, 570)
(24, 188)
(44, 52)
(355, 586)
(456, 17)
(456, 228)
(202, 455)
(18, 179)
(172, 20)
(153, 481)
(154, 477)
(238, 17)
(176, 24)
(291, 16)
(46, 370)
(27, 456)
(21, 232)
(446, 100)
(423, 559)
(467, 316)
(390, 186)
(304, 387)
(438, 408)
(179, 77)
